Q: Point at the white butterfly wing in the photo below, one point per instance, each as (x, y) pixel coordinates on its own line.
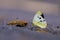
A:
(39, 21)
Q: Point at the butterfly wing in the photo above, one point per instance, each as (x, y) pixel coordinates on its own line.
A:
(39, 20)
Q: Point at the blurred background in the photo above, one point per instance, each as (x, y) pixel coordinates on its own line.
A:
(26, 9)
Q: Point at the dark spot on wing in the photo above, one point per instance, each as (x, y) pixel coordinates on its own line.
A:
(42, 15)
(43, 20)
(39, 17)
(40, 20)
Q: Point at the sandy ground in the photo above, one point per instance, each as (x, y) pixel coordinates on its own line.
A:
(16, 33)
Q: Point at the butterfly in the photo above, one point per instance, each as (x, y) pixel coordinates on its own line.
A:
(39, 20)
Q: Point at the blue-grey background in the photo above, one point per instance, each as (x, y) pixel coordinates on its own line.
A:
(25, 10)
